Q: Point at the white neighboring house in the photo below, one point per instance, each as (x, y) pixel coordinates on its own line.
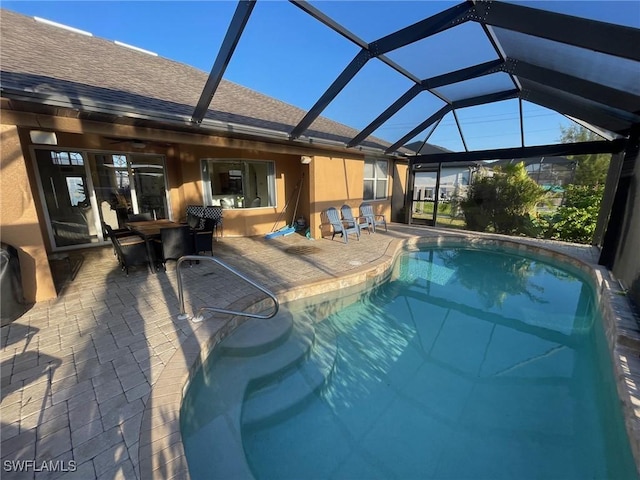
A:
(454, 181)
(454, 177)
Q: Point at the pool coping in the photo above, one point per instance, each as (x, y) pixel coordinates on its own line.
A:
(161, 452)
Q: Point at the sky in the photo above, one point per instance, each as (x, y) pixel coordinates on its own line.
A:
(286, 54)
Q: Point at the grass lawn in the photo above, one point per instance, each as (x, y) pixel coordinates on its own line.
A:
(443, 220)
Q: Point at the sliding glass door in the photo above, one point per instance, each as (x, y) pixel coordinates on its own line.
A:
(149, 185)
(425, 194)
(81, 190)
(128, 184)
(66, 191)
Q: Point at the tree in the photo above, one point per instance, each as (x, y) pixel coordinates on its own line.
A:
(575, 220)
(504, 202)
(590, 169)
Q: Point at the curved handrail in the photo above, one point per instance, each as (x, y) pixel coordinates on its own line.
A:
(198, 317)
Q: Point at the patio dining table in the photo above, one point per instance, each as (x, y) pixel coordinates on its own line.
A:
(149, 230)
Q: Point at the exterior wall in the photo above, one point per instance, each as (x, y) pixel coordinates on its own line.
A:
(326, 181)
(399, 189)
(183, 153)
(242, 221)
(20, 225)
(336, 181)
(627, 263)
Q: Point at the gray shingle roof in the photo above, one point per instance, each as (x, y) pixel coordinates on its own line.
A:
(63, 68)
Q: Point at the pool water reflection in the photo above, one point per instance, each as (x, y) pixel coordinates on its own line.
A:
(466, 363)
(469, 364)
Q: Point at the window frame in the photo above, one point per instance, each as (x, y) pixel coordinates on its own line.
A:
(207, 188)
(375, 179)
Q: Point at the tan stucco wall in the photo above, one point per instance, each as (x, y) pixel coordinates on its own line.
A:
(328, 180)
(399, 190)
(246, 222)
(19, 225)
(336, 181)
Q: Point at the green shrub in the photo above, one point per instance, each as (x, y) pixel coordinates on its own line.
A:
(503, 203)
(575, 221)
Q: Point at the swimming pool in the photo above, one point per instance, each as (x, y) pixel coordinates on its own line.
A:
(467, 363)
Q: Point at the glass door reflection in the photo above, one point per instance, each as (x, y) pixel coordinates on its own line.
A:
(425, 191)
(129, 184)
(66, 188)
(149, 182)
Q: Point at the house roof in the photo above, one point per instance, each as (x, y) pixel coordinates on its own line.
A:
(425, 148)
(47, 65)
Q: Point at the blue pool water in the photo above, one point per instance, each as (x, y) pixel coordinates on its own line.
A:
(468, 363)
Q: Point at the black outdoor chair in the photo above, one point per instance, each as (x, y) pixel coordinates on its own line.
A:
(194, 221)
(173, 243)
(109, 231)
(203, 237)
(217, 215)
(201, 212)
(130, 249)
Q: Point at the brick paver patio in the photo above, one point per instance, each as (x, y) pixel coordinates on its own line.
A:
(78, 371)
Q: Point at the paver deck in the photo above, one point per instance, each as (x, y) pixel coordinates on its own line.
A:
(92, 380)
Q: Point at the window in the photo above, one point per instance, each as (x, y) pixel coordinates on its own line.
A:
(232, 183)
(67, 158)
(375, 179)
(120, 171)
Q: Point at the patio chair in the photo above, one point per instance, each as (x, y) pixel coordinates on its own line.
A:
(213, 212)
(203, 237)
(374, 219)
(130, 249)
(216, 214)
(332, 218)
(173, 243)
(361, 222)
(108, 231)
(194, 221)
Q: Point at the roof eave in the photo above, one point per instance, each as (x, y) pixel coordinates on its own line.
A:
(208, 126)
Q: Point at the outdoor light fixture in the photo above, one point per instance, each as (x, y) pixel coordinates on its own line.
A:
(43, 138)
(305, 160)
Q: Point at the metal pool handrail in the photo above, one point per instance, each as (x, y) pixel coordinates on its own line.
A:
(198, 317)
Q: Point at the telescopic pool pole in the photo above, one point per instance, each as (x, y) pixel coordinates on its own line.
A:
(295, 210)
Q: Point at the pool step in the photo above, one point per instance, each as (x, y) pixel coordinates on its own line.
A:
(257, 336)
(294, 388)
(232, 371)
(262, 368)
(281, 364)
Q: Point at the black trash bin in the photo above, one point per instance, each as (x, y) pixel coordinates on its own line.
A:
(12, 304)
